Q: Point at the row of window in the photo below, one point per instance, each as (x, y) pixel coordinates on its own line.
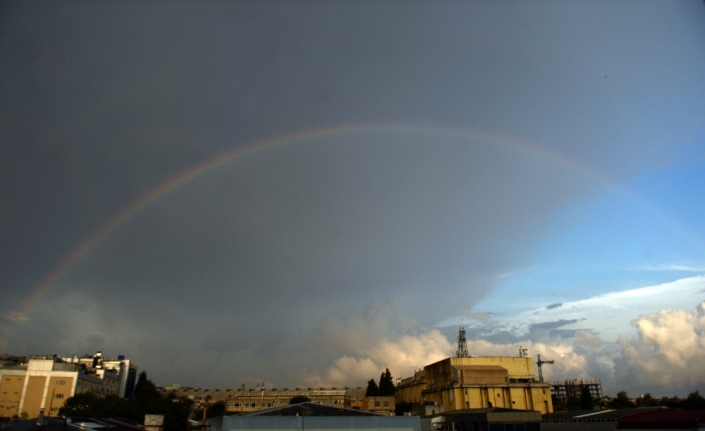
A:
(250, 404)
(386, 403)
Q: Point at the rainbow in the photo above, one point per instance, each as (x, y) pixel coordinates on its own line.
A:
(90, 242)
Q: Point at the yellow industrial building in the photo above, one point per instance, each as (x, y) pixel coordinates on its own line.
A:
(472, 383)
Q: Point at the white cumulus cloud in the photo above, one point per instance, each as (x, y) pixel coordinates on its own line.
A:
(668, 352)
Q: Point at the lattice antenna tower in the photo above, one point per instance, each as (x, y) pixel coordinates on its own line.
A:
(462, 351)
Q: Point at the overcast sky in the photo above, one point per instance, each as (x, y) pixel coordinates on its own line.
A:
(304, 193)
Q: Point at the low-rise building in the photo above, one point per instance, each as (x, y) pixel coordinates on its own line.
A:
(44, 383)
(246, 400)
(123, 367)
(379, 405)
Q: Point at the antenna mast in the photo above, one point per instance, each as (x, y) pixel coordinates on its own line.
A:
(462, 351)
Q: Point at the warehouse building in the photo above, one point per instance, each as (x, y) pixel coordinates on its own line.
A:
(246, 400)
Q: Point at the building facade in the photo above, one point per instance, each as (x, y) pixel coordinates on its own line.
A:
(44, 383)
(380, 405)
(245, 400)
(121, 366)
(473, 383)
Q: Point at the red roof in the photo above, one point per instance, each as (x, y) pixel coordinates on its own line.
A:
(663, 419)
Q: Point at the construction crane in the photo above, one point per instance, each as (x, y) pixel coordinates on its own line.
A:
(540, 363)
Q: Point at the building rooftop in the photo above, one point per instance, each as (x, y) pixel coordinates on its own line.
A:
(74, 424)
(613, 415)
(664, 419)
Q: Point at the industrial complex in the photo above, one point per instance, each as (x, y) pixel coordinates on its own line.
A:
(447, 390)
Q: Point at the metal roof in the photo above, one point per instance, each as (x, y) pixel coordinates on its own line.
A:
(309, 409)
(593, 415)
(664, 419)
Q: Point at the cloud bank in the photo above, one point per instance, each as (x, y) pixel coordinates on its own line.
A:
(668, 352)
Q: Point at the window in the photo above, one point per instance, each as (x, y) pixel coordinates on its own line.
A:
(61, 382)
(376, 403)
(58, 396)
(386, 403)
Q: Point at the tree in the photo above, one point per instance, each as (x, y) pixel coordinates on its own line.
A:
(215, 410)
(673, 403)
(372, 389)
(147, 400)
(693, 401)
(572, 403)
(621, 401)
(298, 399)
(144, 388)
(604, 402)
(559, 404)
(646, 400)
(386, 384)
(586, 401)
(83, 404)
